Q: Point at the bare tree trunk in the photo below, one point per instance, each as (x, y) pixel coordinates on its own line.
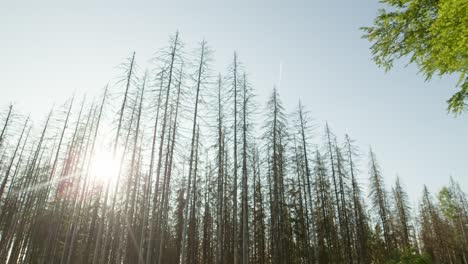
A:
(361, 231)
(219, 216)
(163, 129)
(124, 102)
(5, 126)
(52, 227)
(308, 177)
(169, 174)
(130, 197)
(344, 214)
(234, 199)
(150, 173)
(8, 171)
(245, 227)
(74, 227)
(117, 238)
(183, 251)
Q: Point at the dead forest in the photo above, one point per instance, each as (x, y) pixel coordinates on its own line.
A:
(179, 164)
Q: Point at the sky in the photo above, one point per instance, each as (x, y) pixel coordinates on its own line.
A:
(51, 49)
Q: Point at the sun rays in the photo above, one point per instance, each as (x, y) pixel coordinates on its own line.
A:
(104, 166)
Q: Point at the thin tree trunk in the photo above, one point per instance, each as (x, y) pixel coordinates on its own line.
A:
(219, 216)
(234, 199)
(245, 227)
(183, 251)
(163, 129)
(8, 171)
(5, 126)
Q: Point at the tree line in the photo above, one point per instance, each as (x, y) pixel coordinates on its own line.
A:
(199, 172)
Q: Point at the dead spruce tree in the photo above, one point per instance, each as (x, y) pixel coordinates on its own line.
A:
(302, 129)
(5, 125)
(379, 200)
(170, 61)
(327, 232)
(402, 209)
(247, 105)
(201, 76)
(130, 71)
(359, 209)
(275, 140)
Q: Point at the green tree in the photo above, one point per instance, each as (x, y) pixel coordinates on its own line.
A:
(409, 256)
(432, 33)
(448, 204)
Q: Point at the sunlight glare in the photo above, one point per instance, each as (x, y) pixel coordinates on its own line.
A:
(104, 167)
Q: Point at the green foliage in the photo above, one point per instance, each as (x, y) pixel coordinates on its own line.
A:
(409, 256)
(457, 101)
(432, 33)
(448, 205)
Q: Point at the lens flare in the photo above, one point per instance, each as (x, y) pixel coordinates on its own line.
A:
(104, 166)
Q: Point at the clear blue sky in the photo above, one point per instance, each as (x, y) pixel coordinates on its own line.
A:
(48, 49)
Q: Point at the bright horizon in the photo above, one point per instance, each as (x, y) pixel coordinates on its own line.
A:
(50, 53)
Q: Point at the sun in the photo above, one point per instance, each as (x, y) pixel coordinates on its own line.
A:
(104, 166)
